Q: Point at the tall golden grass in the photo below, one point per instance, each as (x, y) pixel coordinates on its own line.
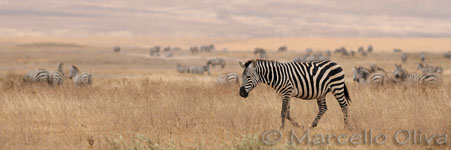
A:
(142, 103)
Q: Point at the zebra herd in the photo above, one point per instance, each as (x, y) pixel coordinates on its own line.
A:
(377, 75)
(57, 77)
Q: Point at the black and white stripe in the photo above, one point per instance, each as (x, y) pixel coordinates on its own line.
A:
(38, 75)
(373, 75)
(401, 75)
(57, 77)
(79, 78)
(308, 80)
(226, 78)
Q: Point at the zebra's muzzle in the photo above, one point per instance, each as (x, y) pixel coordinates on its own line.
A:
(243, 92)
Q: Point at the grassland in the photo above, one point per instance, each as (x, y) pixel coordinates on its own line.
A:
(141, 102)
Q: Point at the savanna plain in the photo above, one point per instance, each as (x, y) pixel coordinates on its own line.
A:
(140, 102)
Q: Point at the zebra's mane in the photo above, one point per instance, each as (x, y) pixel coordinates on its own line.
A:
(259, 60)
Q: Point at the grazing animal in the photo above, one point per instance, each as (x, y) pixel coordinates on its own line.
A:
(308, 81)
(194, 50)
(207, 48)
(370, 49)
(182, 68)
(308, 51)
(360, 49)
(404, 58)
(261, 52)
(38, 75)
(401, 75)
(447, 54)
(155, 51)
(216, 62)
(352, 53)
(364, 75)
(310, 57)
(422, 57)
(430, 69)
(397, 50)
(328, 53)
(79, 78)
(227, 78)
(57, 77)
(282, 49)
(200, 70)
(342, 50)
(117, 49)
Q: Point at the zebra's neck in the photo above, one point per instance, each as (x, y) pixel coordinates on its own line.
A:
(266, 71)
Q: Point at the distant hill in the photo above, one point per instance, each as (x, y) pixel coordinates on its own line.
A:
(234, 18)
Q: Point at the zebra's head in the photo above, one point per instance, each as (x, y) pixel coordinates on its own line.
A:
(250, 77)
(73, 71)
(399, 72)
(360, 74)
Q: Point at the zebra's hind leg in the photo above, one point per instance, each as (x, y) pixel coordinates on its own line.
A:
(285, 107)
(322, 109)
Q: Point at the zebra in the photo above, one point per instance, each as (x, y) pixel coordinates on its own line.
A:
(282, 49)
(194, 50)
(226, 78)
(207, 48)
(116, 49)
(364, 75)
(261, 52)
(422, 57)
(431, 69)
(200, 69)
(79, 78)
(397, 50)
(311, 80)
(182, 68)
(216, 62)
(404, 58)
(155, 51)
(370, 49)
(38, 75)
(447, 54)
(328, 53)
(57, 77)
(400, 75)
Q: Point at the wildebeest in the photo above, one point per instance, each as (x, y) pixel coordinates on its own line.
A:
(216, 62)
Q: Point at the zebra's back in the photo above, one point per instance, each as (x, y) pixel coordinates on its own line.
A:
(83, 79)
(56, 78)
(425, 78)
(38, 75)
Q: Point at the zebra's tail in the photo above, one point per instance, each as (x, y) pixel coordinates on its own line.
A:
(348, 99)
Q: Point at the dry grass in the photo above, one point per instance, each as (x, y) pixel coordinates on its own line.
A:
(142, 103)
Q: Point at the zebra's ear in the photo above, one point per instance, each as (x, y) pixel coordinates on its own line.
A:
(241, 64)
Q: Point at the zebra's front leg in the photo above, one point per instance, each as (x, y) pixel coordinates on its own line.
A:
(322, 109)
(284, 113)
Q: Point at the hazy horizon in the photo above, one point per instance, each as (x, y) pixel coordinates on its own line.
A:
(235, 18)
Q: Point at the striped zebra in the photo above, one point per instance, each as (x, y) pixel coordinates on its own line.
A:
(200, 70)
(374, 75)
(401, 75)
(230, 77)
(309, 80)
(216, 62)
(79, 78)
(38, 75)
(57, 77)
(182, 68)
